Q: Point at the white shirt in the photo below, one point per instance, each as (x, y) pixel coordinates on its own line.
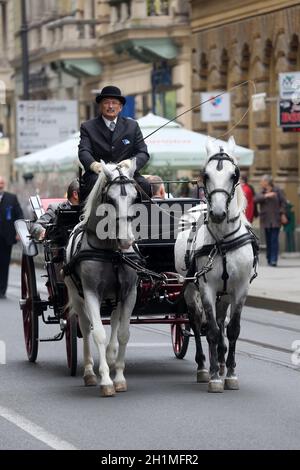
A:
(107, 122)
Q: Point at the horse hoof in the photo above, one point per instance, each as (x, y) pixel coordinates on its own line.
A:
(221, 369)
(216, 386)
(231, 383)
(90, 380)
(107, 390)
(120, 386)
(202, 376)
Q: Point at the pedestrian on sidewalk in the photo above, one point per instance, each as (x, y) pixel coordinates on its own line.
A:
(249, 194)
(272, 208)
(10, 211)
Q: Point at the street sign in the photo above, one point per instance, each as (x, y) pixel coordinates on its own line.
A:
(41, 124)
(259, 102)
(288, 114)
(217, 109)
(289, 84)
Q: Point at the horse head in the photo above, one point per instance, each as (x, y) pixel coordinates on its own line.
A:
(119, 192)
(220, 178)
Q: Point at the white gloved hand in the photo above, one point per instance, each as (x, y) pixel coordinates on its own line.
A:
(125, 164)
(96, 167)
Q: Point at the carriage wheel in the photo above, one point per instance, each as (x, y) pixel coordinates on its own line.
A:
(71, 344)
(180, 341)
(30, 314)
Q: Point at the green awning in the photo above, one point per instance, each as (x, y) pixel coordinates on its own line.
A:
(82, 67)
(148, 50)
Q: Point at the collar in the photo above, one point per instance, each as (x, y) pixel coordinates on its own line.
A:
(107, 122)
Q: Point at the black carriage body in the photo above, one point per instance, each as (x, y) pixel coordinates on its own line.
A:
(156, 302)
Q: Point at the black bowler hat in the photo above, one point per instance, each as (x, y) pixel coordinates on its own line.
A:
(110, 92)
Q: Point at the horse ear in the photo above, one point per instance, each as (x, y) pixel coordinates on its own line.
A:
(211, 148)
(231, 145)
(109, 174)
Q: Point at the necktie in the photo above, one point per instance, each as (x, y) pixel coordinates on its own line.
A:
(112, 126)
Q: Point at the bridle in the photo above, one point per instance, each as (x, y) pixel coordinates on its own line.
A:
(121, 180)
(220, 158)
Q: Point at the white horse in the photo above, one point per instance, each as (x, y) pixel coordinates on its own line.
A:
(94, 272)
(222, 250)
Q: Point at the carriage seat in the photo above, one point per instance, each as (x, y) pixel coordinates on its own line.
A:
(39, 206)
(160, 231)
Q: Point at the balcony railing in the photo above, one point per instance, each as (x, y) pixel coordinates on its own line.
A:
(147, 13)
(65, 33)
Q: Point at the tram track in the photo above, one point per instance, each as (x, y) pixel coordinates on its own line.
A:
(261, 344)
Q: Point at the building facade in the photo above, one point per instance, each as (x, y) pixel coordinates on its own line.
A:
(7, 148)
(254, 40)
(75, 47)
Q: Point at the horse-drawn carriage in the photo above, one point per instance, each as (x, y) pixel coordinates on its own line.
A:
(159, 298)
(182, 269)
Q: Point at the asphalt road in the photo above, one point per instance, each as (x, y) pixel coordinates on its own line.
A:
(42, 407)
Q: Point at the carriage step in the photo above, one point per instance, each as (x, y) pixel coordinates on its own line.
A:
(57, 337)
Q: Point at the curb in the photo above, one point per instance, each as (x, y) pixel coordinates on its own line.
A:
(252, 300)
(273, 304)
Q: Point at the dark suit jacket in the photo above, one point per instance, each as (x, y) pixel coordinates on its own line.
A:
(98, 142)
(271, 208)
(10, 211)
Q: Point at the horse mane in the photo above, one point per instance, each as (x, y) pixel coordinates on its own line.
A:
(98, 188)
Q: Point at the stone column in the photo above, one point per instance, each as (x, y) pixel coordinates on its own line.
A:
(138, 9)
(259, 130)
(199, 81)
(217, 81)
(240, 101)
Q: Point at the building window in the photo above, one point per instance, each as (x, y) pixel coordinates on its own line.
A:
(165, 104)
(157, 7)
(129, 108)
(164, 94)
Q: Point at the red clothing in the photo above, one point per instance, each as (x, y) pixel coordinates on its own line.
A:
(249, 212)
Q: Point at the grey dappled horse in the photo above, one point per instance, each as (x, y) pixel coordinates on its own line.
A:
(226, 238)
(107, 228)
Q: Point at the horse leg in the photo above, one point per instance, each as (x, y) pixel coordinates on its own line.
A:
(215, 384)
(126, 308)
(221, 310)
(93, 303)
(233, 331)
(76, 304)
(89, 376)
(112, 347)
(193, 302)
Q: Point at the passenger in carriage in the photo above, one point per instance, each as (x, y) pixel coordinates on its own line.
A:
(111, 138)
(157, 187)
(38, 229)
